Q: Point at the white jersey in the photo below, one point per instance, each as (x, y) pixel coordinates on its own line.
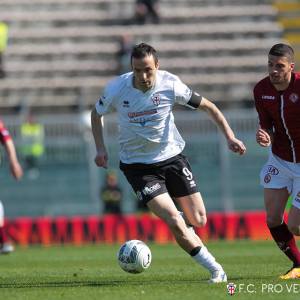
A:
(146, 123)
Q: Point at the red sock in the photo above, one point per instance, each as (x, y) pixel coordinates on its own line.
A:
(3, 236)
(286, 243)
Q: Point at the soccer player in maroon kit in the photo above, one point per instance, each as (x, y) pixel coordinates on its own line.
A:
(17, 172)
(277, 100)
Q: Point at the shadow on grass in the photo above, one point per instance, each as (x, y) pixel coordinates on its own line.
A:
(125, 282)
(108, 283)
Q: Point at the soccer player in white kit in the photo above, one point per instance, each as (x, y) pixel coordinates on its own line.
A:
(151, 147)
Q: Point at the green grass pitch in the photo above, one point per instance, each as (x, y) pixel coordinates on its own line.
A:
(91, 272)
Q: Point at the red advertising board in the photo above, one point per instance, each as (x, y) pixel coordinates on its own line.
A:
(117, 228)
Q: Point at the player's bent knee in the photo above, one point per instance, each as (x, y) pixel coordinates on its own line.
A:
(199, 220)
(202, 221)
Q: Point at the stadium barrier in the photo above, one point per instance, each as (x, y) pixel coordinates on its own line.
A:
(111, 229)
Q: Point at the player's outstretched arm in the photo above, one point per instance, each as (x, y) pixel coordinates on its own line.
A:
(234, 144)
(15, 167)
(97, 129)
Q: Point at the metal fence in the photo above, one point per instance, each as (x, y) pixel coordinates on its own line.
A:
(69, 182)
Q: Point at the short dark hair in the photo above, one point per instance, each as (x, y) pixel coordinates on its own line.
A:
(282, 50)
(142, 50)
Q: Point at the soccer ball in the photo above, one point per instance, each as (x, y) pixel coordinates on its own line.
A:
(134, 256)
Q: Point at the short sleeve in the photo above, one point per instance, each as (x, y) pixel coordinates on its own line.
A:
(105, 104)
(182, 92)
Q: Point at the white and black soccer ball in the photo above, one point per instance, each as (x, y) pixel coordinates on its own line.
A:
(134, 256)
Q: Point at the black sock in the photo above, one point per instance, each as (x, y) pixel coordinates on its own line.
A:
(286, 242)
(195, 251)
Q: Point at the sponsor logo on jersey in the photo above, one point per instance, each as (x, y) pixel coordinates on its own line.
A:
(142, 113)
(272, 170)
(142, 117)
(294, 97)
(266, 97)
(155, 99)
(151, 189)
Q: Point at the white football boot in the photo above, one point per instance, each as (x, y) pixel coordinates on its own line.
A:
(218, 276)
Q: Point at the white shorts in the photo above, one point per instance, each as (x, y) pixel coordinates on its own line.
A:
(278, 173)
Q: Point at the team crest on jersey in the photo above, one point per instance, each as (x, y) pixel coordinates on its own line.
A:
(156, 99)
(294, 97)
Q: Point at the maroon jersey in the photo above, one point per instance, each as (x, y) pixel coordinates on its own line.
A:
(280, 111)
(4, 134)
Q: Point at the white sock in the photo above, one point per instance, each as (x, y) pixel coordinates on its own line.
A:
(205, 259)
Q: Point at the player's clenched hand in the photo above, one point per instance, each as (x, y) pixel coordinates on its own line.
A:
(101, 159)
(236, 146)
(263, 138)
